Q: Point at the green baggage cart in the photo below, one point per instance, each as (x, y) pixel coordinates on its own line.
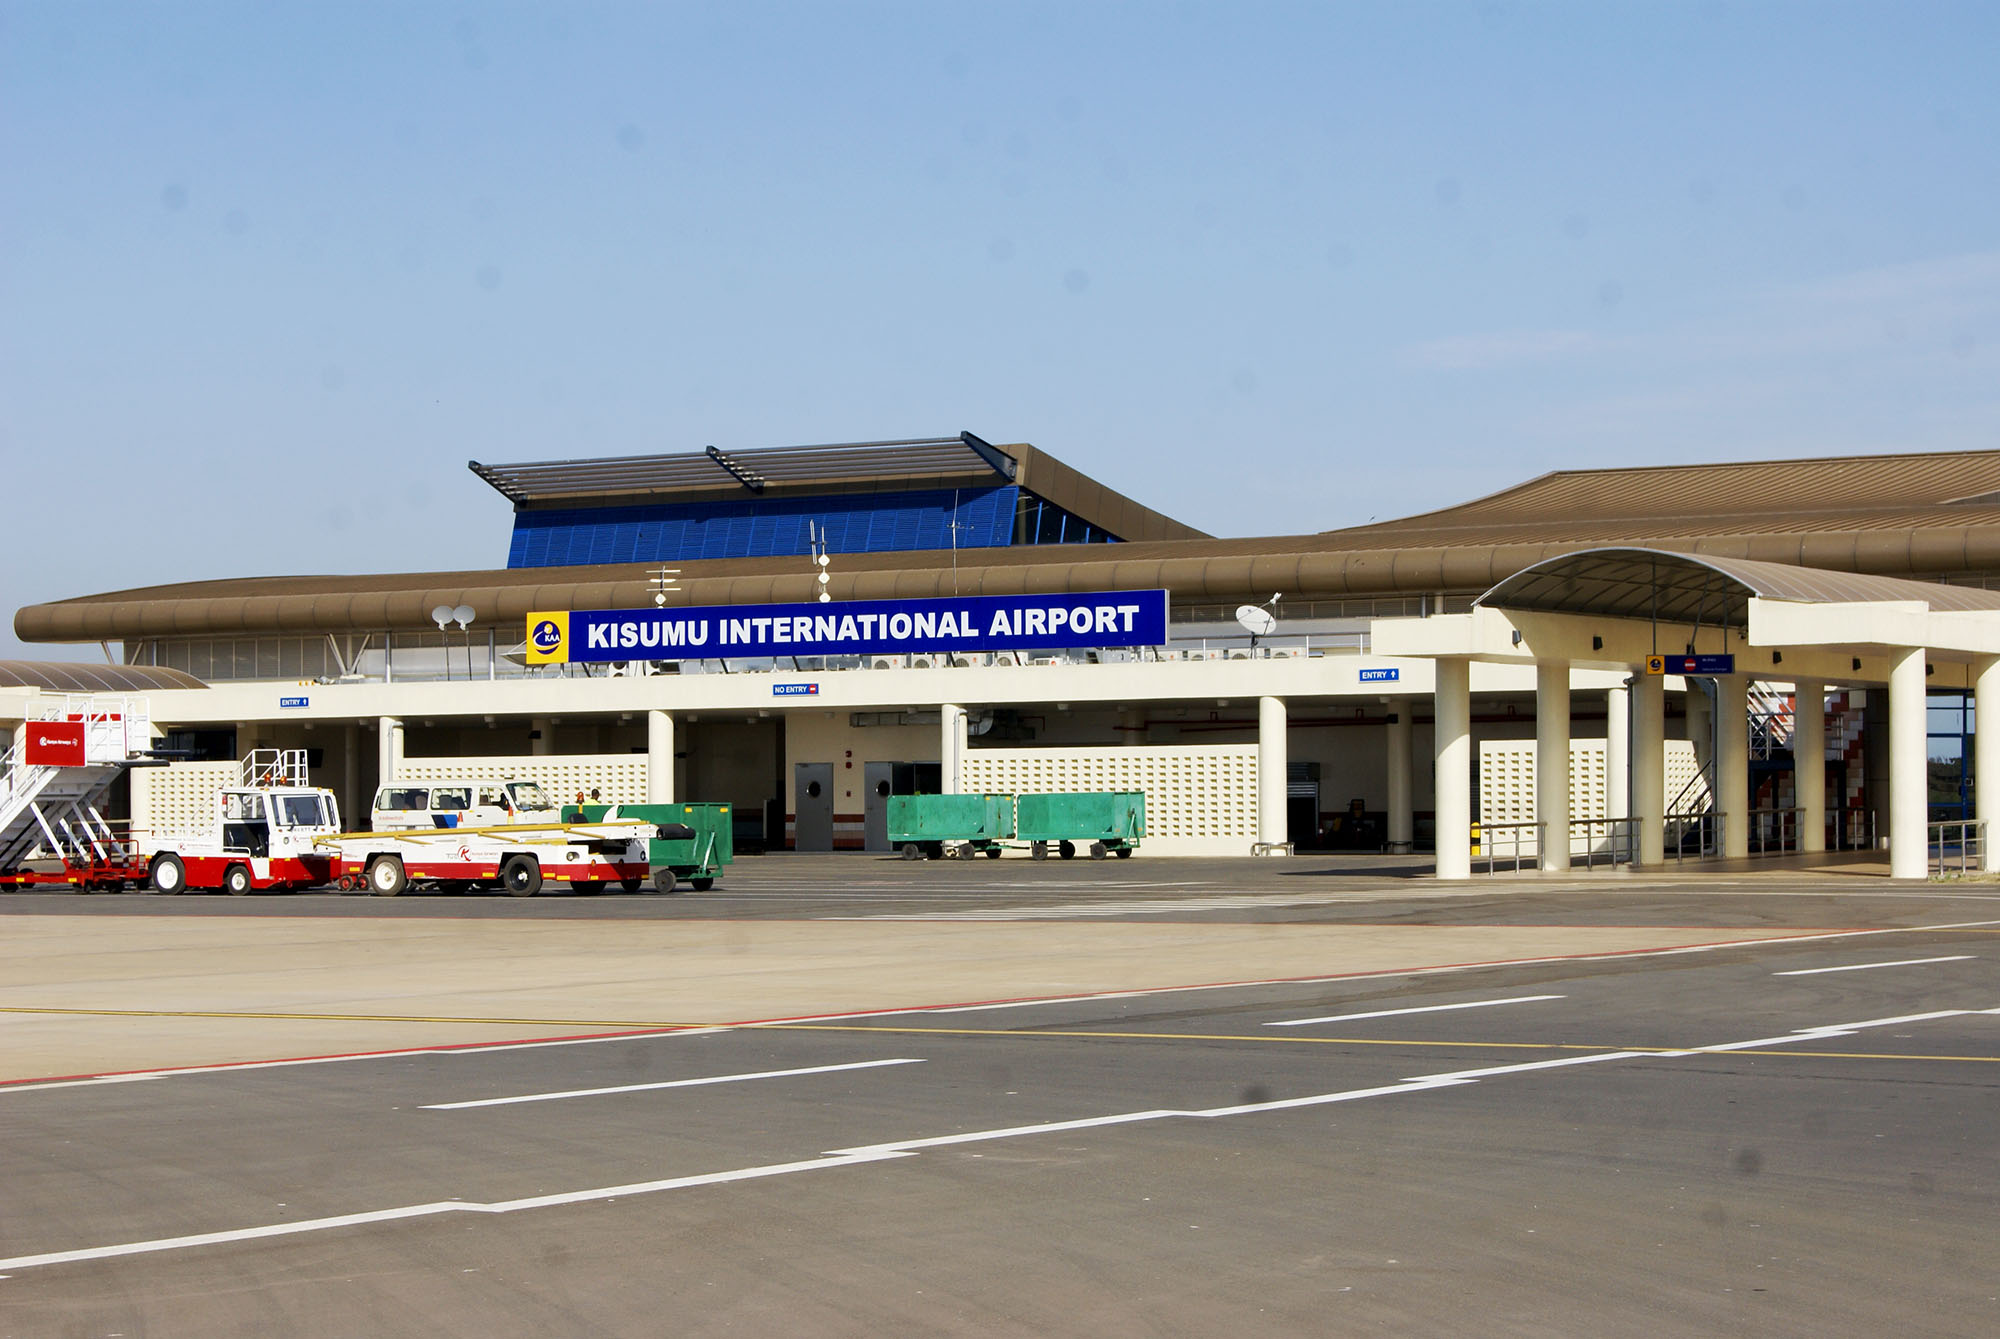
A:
(931, 825)
(1107, 822)
(696, 840)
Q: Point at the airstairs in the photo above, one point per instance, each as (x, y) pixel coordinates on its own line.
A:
(53, 782)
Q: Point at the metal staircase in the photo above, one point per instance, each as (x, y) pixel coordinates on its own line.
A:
(50, 812)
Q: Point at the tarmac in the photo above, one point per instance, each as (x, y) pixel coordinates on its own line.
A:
(88, 993)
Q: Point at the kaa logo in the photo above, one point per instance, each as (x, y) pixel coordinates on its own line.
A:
(548, 638)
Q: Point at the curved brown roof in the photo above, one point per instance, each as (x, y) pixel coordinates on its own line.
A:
(1461, 551)
(1684, 588)
(56, 676)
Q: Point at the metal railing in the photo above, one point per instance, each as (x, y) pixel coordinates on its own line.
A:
(1956, 846)
(1774, 831)
(1696, 832)
(1854, 830)
(1522, 840)
(1615, 839)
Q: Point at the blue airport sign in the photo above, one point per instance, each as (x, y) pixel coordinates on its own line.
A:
(794, 690)
(285, 702)
(1381, 675)
(851, 627)
(1691, 664)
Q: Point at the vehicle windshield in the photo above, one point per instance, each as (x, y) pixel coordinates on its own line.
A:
(528, 795)
(403, 798)
(302, 811)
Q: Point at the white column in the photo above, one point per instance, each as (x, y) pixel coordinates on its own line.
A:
(1132, 727)
(1402, 830)
(1451, 751)
(1909, 775)
(1986, 760)
(1271, 769)
(1732, 762)
(1809, 762)
(659, 758)
(1552, 760)
(541, 737)
(351, 806)
(1649, 766)
(1617, 753)
(388, 749)
(951, 749)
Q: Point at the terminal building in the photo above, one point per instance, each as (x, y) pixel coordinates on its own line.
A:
(1643, 664)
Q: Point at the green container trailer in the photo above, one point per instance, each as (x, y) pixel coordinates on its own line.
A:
(926, 825)
(1112, 822)
(700, 840)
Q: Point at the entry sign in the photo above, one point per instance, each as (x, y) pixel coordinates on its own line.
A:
(1691, 664)
(56, 744)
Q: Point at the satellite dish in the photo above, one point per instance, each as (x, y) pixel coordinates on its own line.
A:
(441, 615)
(462, 615)
(1256, 620)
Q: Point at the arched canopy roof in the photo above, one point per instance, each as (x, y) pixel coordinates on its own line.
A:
(57, 676)
(1695, 589)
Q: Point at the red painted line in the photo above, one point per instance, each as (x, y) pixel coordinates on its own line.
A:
(976, 1004)
(277, 1062)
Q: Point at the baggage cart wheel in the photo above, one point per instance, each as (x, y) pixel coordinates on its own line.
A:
(1124, 853)
(993, 853)
(1067, 850)
(167, 874)
(1038, 850)
(911, 851)
(702, 884)
(663, 880)
(1097, 850)
(386, 877)
(521, 875)
(236, 881)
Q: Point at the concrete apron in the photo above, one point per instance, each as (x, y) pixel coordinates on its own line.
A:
(99, 995)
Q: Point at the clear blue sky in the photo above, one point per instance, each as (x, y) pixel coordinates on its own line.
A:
(270, 274)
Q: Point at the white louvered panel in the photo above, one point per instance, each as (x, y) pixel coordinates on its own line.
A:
(620, 778)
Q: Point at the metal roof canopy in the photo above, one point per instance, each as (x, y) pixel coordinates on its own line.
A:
(627, 476)
(1685, 588)
(57, 676)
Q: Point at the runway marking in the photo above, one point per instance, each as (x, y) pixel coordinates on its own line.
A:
(341, 1018)
(670, 1083)
(1079, 1033)
(904, 1148)
(1151, 906)
(1421, 1009)
(642, 1031)
(9, 1086)
(1867, 966)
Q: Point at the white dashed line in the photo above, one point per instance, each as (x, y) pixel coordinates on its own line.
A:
(1423, 1009)
(668, 1083)
(1866, 966)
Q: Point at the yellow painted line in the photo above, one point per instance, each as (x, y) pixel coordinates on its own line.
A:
(1675, 1051)
(654, 1025)
(351, 1018)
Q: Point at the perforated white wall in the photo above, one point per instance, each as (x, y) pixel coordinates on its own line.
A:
(181, 799)
(1200, 799)
(619, 777)
(1507, 778)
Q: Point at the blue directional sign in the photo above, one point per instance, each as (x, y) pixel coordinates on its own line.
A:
(1381, 675)
(1691, 664)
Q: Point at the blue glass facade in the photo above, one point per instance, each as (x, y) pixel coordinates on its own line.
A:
(755, 527)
